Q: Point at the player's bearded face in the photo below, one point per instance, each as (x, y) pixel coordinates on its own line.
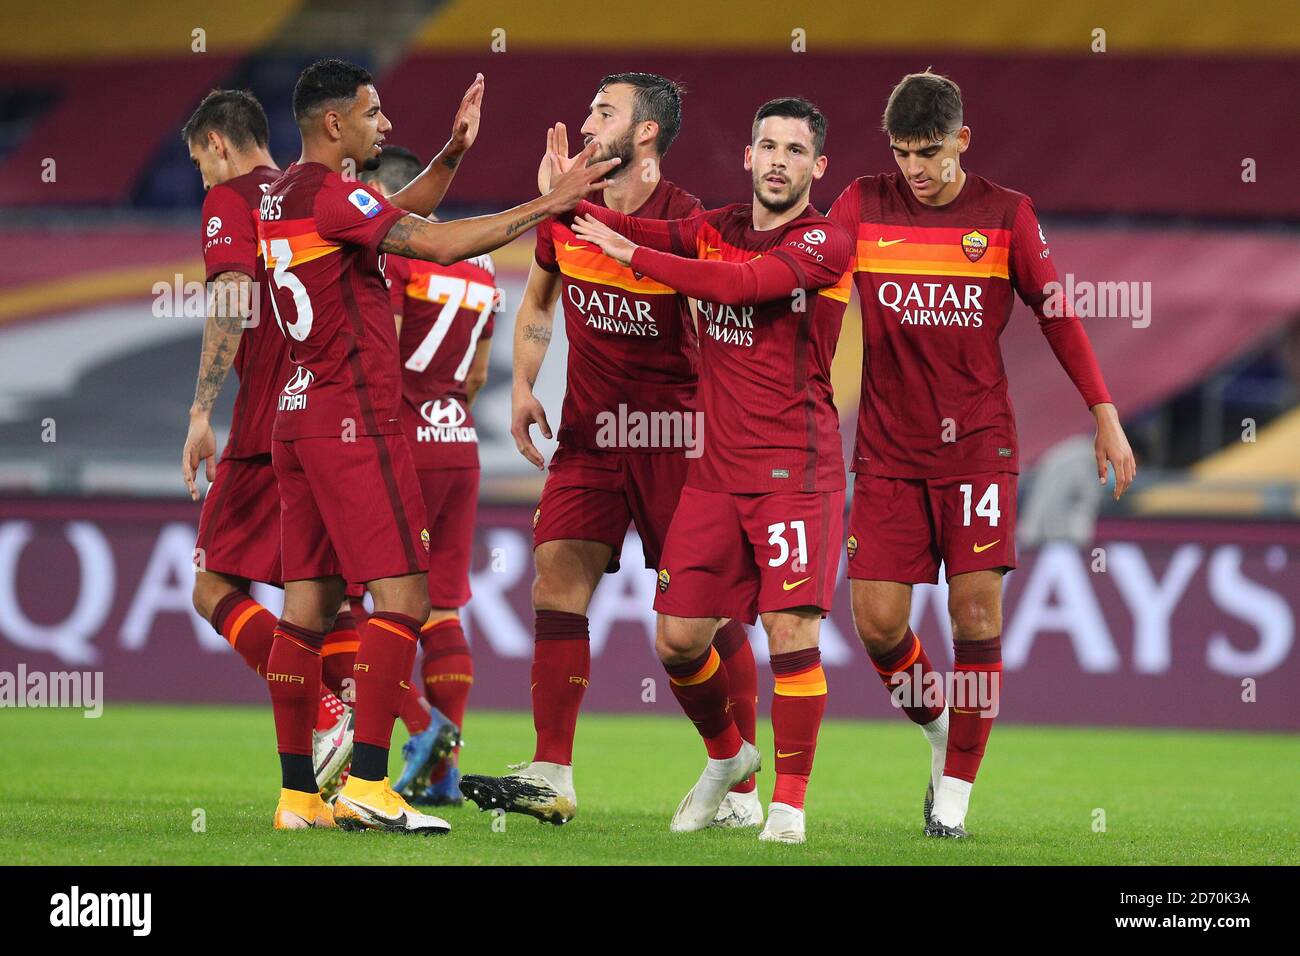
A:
(782, 163)
(620, 146)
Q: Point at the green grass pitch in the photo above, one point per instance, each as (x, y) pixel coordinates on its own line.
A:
(124, 789)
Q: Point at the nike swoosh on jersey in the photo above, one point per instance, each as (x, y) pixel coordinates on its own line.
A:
(787, 586)
(979, 548)
(575, 248)
(880, 242)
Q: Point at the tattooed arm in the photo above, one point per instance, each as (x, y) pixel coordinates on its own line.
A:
(448, 242)
(533, 324)
(230, 296)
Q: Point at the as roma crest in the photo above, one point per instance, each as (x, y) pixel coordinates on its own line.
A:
(974, 244)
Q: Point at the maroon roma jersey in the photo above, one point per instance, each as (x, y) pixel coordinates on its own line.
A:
(446, 311)
(937, 285)
(320, 236)
(767, 337)
(631, 339)
(230, 245)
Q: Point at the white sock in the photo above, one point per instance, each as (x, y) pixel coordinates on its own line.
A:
(936, 731)
(950, 801)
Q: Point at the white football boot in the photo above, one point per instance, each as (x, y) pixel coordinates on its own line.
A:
(700, 805)
(739, 810)
(540, 789)
(331, 752)
(785, 824)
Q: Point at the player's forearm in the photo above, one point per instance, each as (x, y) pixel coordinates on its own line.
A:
(425, 192)
(651, 233)
(448, 242)
(728, 283)
(532, 338)
(1070, 345)
(229, 306)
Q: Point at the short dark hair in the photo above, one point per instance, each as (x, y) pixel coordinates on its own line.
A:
(235, 114)
(657, 99)
(794, 107)
(327, 81)
(397, 167)
(924, 106)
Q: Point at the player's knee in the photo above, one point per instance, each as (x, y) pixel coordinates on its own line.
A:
(208, 592)
(675, 645)
(974, 619)
(879, 629)
(551, 592)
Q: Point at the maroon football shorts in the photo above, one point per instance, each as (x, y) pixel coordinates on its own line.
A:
(350, 507)
(594, 496)
(900, 529)
(450, 503)
(739, 556)
(239, 526)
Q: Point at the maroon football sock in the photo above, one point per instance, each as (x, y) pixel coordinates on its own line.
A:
(293, 678)
(742, 685)
(248, 627)
(338, 654)
(700, 686)
(908, 660)
(797, 707)
(977, 689)
(561, 672)
(447, 668)
(383, 672)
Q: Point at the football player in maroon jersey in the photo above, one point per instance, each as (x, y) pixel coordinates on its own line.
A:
(940, 256)
(754, 531)
(632, 355)
(338, 426)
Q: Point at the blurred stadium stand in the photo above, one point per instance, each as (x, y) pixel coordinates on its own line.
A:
(1133, 157)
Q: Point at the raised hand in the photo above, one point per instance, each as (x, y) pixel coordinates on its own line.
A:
(556, 160)
(618, 248)
(464, 128)
(581, 180)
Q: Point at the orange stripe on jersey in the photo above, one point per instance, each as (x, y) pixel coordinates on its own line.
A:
(840, 290)
(585, 262)
(932, 250)
(709, 244)
(809, 683)
(305, 243)
(704, 673)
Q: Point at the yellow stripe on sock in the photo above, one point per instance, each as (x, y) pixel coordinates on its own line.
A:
(809, 683)
(710, 668)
